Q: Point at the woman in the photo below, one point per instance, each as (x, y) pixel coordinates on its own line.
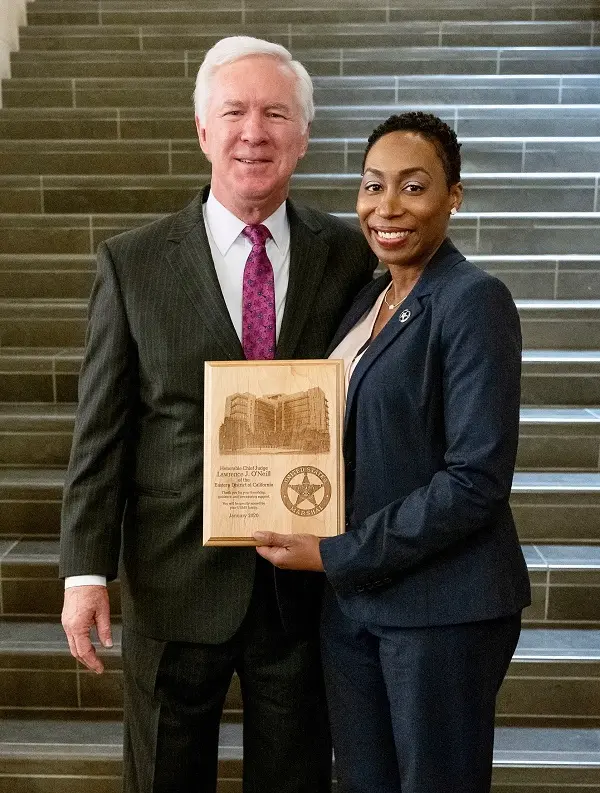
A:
(426, 586)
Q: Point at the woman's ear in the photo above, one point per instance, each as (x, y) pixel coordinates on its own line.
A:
(456, 197)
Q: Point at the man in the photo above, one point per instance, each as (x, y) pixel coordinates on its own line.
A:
(167, 297)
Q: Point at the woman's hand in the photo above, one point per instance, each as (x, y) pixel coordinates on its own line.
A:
(290, 551)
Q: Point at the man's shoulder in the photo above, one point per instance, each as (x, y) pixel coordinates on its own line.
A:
(319, 221)
(158, 231)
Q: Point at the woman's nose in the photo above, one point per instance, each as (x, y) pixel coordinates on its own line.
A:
(389, 205)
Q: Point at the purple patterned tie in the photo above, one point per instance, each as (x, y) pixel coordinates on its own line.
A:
(258, 298)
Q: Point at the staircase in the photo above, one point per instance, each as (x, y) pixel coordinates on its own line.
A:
(97, 135)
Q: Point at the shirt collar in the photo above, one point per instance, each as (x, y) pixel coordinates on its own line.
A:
(225, 227)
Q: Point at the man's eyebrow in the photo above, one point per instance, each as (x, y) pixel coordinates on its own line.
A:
(228, 104)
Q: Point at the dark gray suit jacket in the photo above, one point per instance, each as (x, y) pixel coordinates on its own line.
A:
(133, 491)
(432, 424)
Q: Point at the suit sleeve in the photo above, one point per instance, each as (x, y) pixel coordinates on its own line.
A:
(480, 345)
(96, 482)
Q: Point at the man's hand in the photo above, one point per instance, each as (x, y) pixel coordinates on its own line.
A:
(85, 606)
(290, 551)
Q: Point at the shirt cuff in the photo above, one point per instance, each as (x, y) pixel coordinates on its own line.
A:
(85, 580)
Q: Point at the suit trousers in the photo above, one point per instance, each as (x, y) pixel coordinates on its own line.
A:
(173, 707)
(412, 709)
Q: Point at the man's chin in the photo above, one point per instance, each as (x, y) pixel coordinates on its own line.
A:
(257, 190)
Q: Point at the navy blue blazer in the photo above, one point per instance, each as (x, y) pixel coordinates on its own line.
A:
(430, 441)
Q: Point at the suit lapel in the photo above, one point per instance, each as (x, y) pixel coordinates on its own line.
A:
(308, 259)
(443, 260)
(191, 261)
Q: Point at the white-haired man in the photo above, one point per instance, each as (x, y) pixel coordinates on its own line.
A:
(167, 297)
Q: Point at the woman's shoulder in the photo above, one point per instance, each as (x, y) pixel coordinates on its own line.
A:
(468, 281)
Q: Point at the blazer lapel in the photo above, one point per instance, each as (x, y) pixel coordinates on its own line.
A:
(308, 258)
(191, 261)
(362, 303)
(443, 260)
(403, 318)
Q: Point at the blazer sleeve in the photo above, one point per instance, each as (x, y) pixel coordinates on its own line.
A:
(480, 347)
(96, 483)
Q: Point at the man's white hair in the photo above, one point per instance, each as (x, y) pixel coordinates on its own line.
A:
(232, 49)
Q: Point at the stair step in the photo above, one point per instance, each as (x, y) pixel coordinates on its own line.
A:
(344, 61)
(544, 277)
(566, 324)
(49, 375)
(554, 678)
(88, 755)
(138, 13)
(39, 375)
(548, 508)
(296, 35)
(30, 586)
(562, 324)
(46, 275)
(325, 156)
(565, 581)
(330, 121)
(161, 92)
(491, 233)
(485, 192)
(566, 439)
(560, 377)
(574, 277)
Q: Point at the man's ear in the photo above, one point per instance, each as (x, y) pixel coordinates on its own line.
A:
(306, 139)
(201, 131)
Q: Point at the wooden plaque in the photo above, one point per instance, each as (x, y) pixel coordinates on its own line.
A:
(272, 449)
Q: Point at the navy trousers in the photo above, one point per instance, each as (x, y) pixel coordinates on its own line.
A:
(412, 709)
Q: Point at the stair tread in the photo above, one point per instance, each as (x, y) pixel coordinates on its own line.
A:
(60, 739)
(523, 481)
(78, 304)
(535, 644)
(529, 356)
(66, 411)
(538, 557)
(533, 481)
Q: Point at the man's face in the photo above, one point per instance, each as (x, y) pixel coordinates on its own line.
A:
(253, 134)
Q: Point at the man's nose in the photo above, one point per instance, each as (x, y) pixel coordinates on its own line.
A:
(253, 128)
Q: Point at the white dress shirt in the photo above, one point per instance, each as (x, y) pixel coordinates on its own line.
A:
(230, 249)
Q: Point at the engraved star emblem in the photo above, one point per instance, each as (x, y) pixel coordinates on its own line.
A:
(306, 491)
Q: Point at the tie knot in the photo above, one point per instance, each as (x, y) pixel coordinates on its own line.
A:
(257, 234)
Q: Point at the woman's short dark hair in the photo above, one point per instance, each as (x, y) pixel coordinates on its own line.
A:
(430, 127)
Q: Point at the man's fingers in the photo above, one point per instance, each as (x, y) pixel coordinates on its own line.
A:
(103, 628)
(86, 653)
(86, 606)
(72, 647)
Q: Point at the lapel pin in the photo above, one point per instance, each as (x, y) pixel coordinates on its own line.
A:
(405, 315)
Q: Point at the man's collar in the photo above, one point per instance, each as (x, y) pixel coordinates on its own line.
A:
(225, 227)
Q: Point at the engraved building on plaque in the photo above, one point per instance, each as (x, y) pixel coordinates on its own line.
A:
(274, 423)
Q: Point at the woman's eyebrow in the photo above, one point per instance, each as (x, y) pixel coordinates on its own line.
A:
(403, 172)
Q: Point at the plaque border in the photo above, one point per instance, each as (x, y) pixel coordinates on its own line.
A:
(336, 414)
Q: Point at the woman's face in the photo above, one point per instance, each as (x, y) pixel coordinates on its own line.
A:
(404, 201)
